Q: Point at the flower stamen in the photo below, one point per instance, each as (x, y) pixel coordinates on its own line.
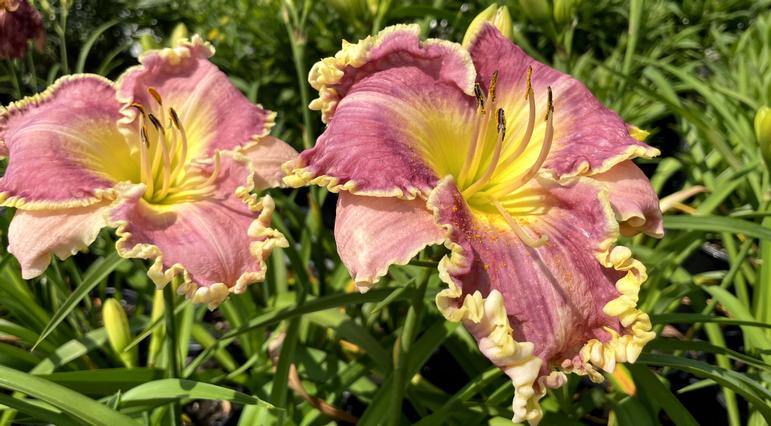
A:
(163, 164)
(518, 230)
(545, 149)
(471, 190)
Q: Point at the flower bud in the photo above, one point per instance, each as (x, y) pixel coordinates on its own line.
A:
(763, 132)
(563, 10)
(537, 11)
(118, 332)
(147, 41)
(178, 34)
(498, 16)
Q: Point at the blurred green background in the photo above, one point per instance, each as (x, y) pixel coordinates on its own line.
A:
(695, 74)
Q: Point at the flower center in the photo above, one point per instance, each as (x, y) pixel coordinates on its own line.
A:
(488, 184)
(163, 164)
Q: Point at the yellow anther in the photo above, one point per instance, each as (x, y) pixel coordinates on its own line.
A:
(493, 84)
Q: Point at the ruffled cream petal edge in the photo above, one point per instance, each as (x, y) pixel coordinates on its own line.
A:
(330, 71)
(265, 240)
(487, 316)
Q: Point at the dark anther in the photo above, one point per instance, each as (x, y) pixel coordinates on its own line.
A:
(154, 93)
(143, 136)
(480, 96)
(174, 118)
(501, 121)
(156, 123)
(549, 105)
(139, 108)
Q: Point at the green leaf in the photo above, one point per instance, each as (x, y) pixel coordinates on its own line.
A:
(653, 389)
(105, 381)
(737, 310)
(38, 411)
(74, 404)
(90, 43)
(717, 224)
(697, 318)
(96, 273)
(321, 304)
(160, 392)
(751, 390)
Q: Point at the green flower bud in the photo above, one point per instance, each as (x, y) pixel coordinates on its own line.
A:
(147, 41)
(118, 332)
(537, 11)
(498, 16)
(178, 34)
(763, 132)
(563, 10)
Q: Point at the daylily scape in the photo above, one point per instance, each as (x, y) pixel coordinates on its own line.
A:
(169, 156)
(522, 174)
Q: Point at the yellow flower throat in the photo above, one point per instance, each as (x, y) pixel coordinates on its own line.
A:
(163, 158)
(485, 183)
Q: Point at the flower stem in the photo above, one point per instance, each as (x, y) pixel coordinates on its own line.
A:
(172, 365)
(404, 344)
(296, 33)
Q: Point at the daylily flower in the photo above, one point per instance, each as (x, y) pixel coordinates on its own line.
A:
(169, 156)
(19, 22)
(517, 169)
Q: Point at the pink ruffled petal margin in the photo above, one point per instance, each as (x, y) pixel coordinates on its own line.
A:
(589, 138)
(570, 322)
(69, 128)
(214, 245)
(366, 92)
(373, 233)
(215, 114)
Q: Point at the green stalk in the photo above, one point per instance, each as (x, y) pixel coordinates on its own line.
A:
(61, 29)
(171, 346)
(404, 344)
(763, 301)
(296, 34)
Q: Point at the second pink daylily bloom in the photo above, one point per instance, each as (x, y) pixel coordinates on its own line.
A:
(517, 169)
(169, 156)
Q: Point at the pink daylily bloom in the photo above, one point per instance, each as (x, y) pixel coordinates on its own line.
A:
(169, 156)
(19, 22)
(517, 169)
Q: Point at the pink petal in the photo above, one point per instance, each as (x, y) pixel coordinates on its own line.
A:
(217, 244)
(634, 200)
(373, 233)
(34, 235)
(376, 96)
(569, 304)
(588, 137)
(64, 147)
(214, 113)
(267, 157)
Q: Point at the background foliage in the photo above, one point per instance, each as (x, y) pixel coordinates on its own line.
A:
(304, 348)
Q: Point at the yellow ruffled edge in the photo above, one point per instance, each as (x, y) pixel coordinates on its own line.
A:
(330, 71)
(487, 316)
(585, 169)
(213, 295)
(19, 107)
(296, 176)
